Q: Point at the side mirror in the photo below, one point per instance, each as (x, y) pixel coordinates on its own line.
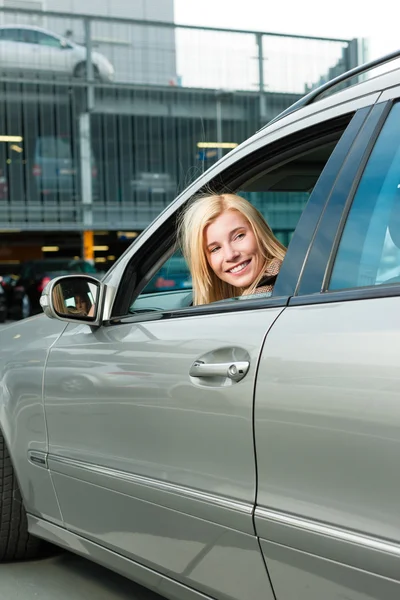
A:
(74, 298)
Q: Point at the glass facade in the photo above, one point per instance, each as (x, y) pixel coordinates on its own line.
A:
(106, 143)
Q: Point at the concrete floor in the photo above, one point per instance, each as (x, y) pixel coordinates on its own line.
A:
(66, 577)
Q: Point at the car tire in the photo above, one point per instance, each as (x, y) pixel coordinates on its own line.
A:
(15, 541)
(81, 70)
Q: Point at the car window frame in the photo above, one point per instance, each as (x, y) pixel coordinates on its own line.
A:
(240, 172)
(313, 285)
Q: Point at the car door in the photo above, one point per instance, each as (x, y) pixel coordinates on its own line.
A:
(53, 55)
(151, 452)
(327, 403)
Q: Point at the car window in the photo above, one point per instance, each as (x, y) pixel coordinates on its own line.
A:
(27, 36)
(54, 147)
(48, 40)
(280, 190)
(173, 275)
(11, 35)
(369, 250)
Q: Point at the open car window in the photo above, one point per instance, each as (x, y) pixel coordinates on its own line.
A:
(279, 186)
(168, 289)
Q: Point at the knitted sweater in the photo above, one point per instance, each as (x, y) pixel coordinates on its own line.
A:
(267, 283)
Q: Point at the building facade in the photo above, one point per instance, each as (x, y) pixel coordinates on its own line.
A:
(81, 152)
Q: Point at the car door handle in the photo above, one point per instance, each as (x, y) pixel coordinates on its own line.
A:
(232, 370)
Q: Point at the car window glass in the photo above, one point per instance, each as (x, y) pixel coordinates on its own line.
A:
(280, 193)
(27, 36)
(369, 249)
(48, 40)
(173, 275)
(54, 147)
(11, 35)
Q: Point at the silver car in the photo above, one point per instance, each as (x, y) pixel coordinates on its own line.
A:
(25, 48)
(242, 450)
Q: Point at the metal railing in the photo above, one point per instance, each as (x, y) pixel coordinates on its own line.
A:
(103, 118)
(161, 53)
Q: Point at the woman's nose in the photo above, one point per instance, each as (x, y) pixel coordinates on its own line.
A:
(231, 254)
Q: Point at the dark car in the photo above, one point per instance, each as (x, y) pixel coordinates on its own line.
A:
(7, 283)
(34, 276)
(55, 169)
(3, 304)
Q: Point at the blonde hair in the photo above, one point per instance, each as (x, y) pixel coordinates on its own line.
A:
(58, 299)
(207, 287)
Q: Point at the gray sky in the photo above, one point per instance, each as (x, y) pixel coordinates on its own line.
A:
(378, 22)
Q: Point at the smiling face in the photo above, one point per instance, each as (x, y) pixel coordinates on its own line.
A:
(232, 250)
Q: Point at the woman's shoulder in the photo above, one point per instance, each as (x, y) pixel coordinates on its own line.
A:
(274, 267)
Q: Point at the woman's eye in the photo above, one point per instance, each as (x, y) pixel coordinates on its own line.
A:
(214, 249)
(239, 236)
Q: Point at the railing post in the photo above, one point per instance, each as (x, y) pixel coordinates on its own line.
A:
(261, 84)
(85, 157)
(85, 136)
(89, 64)
(219, 126)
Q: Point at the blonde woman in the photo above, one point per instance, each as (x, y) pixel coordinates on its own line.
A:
(229, 247)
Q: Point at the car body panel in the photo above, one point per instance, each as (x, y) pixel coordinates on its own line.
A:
(23, 353)
(166, 478)
(327, 422)
(112, 560)
(302, 575)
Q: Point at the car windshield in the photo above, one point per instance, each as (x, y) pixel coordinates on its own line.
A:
(54, 147)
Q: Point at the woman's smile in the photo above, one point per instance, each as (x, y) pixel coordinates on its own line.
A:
(239, 268)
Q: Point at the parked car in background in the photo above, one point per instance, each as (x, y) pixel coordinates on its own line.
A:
(3, 185)
(3, 304)
(24, 297)
(30, 49)
(153, 185)
(7, 284)
(245, 449)
(55, 169)
(173, 275)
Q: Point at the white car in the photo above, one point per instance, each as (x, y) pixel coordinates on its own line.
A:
(28, 48)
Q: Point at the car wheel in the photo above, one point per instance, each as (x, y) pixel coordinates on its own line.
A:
(81, 70)
(15, 541)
